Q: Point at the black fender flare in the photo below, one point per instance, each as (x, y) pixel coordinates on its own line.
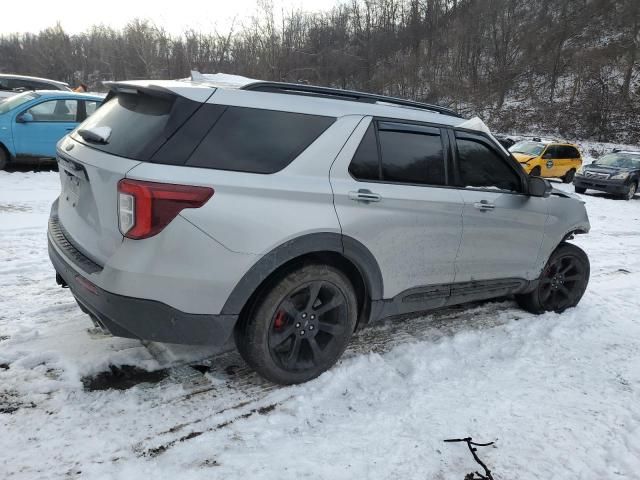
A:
(351, 249)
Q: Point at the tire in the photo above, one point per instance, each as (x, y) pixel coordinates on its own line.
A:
(535, 172)
(562, 282)
(580, 189)
(4, 160)
(568, 177)
(289, 337)
(631, 192)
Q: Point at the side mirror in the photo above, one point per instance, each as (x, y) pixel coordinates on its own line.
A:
(546, 156)
(594, 162)
(539, 187)
(24, 118)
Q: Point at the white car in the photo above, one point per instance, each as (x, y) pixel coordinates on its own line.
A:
(13, 84)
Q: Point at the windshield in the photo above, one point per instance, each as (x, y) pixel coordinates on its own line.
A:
(529, 148)
(620, 160)
(16, 101)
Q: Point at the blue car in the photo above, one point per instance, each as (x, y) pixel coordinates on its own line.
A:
(32, 123)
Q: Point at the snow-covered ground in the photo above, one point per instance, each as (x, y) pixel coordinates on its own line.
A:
(559, 394)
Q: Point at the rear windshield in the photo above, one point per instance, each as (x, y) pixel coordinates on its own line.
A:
(138, 124)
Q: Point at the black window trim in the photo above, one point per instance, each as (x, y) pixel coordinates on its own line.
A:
(408, 126)
(485, 139)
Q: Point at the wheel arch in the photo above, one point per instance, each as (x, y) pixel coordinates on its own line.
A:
(344, 253)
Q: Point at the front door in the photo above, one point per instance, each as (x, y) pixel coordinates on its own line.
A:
(42, 125)
(502, 227)
(390, 194)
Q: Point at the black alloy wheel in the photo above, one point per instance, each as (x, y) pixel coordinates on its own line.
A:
(562, 282)
(306, 328)
(300, 326)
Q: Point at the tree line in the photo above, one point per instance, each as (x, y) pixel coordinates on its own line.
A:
(564, 67)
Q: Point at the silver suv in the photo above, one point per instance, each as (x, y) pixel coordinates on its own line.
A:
(288, 216)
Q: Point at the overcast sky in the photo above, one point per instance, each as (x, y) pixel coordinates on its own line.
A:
(174, 15)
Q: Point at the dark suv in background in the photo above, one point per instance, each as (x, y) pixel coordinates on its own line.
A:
(617, 172)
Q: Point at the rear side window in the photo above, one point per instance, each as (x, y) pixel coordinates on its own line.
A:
(257, 141)
(410, 157)
(139, 123)
(408, 153)
(481, 167)
(570, 152)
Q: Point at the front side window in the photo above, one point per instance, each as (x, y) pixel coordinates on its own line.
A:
(54, 111)
(481, 167)
(553, 152)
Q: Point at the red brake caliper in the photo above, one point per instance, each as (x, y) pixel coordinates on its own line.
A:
(278, 322)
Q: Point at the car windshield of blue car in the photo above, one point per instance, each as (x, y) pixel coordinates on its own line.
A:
(620, 160)
(528, 148)
(16, 101)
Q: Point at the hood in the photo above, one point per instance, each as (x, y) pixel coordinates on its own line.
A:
(607, 169)
(561, 193)
(522, 157)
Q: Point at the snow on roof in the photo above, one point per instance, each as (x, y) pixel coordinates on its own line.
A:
(223, 80)
(477, 124)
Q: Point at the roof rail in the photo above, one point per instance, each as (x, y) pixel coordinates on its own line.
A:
(339, 94)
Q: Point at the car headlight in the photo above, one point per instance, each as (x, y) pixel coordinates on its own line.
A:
(620, 176)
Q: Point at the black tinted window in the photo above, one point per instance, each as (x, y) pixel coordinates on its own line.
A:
(553, 152)
(139, 123)
(411, 157)
(366, 164)
(482, 167)
(258, 141)
(570, 152)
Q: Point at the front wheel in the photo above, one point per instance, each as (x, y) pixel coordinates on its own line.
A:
(301, 326)
(562, 282)
(631, 192)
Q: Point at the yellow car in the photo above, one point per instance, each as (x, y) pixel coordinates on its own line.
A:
(548, 159)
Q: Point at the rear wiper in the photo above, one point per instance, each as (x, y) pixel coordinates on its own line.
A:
(96, 134)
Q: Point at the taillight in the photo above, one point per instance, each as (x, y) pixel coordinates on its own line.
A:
(145, 208)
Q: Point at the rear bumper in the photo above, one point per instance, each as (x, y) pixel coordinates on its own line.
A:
(133, 317)
(618, 187)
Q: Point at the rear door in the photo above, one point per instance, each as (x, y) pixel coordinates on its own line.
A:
(44, 124)
(391, 195)
(503, 228)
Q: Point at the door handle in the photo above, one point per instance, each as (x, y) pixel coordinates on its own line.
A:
(364, 196)
(69, 129)
(484, 205)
